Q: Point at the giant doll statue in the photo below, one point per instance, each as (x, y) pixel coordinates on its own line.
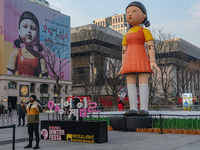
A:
(135, 60)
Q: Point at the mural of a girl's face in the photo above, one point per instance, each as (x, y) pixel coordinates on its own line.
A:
(28, 32)
(134, 15)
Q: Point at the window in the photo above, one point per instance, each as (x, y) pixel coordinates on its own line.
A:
(118, 19)
(56, 100)
(121, 19)
(121, 25)
(12, 85)
(44, 100)
(54, 89)
(43, 88)
(113, 20)
(32, 90)
(81, 75)
(66, 89)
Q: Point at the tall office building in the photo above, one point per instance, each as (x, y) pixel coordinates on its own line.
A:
(116, 22)
(41, 2)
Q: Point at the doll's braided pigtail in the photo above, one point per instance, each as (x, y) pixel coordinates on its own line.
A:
(17, 42)
(147, 23)
(40, 47)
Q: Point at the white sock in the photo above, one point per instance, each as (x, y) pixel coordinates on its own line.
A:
(144, 96)
(132, 95)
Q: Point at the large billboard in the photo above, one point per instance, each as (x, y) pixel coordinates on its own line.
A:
(34, 40)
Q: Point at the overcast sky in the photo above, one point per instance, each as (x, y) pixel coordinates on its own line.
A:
(179, 17)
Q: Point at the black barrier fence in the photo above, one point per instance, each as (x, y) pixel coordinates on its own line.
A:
(12, 126)
(57, 116)
(157, 108)
(6, 119)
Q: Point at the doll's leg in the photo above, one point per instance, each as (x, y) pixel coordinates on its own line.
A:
(144, 93)
(132, 94)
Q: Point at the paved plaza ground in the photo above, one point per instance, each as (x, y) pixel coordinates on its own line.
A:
(117, 140)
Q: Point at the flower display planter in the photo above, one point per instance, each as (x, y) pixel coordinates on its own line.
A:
(173, 131)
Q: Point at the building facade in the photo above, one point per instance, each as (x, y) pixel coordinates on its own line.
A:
(18, 88)
(116, 22)
(31, 55)
(93, 49)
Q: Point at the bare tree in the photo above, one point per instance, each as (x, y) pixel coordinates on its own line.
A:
(112, 79)
(187, 72)
(194, 69)
(183, 79)
(57, 56)
(165, 54)
(153, 87)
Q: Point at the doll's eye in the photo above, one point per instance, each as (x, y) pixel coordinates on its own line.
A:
(24, 26)
(33, 28)
(134, 10)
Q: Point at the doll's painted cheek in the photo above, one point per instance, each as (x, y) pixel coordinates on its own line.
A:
(136, 15)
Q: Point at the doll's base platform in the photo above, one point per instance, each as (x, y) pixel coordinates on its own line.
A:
(130, 123)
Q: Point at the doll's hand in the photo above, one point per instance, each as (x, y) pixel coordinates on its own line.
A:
(119, 73)
(154, 65)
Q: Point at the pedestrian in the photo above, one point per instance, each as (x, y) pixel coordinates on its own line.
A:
(33, 109)
(120, 105)
(10, 107)
(21, 115)
(100, 106)
(75, 101)
(1, 108)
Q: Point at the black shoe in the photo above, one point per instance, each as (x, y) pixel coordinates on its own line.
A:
(36, 147)
(18, 125)
(131, 113)
(143, 113)
(28, 146)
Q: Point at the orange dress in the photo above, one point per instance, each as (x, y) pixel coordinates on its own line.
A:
(27, 66)
(136, 59)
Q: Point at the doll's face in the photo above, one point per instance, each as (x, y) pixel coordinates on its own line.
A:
(28, 32)
(134, 15)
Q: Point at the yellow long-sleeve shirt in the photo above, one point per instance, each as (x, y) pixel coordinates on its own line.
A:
(32, 112)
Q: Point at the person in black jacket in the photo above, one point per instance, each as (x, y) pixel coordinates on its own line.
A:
(1, 108)
(21, 115)
(10, 107)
